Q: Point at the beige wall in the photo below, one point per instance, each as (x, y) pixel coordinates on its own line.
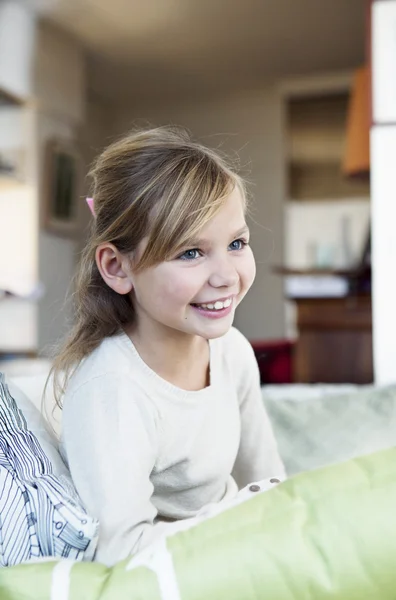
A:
(59, 93)
(94, 136)
(65, 113)
(251, 126)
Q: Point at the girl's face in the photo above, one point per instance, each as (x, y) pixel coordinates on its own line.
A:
(197, 292)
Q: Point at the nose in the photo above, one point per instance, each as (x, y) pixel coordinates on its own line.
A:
(223, 273)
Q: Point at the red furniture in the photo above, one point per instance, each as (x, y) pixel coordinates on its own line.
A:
(275, 360)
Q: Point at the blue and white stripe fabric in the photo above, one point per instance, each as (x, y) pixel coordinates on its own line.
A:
(40, 513)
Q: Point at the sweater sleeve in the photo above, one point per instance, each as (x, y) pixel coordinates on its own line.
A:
(110, 443)
(258, 456)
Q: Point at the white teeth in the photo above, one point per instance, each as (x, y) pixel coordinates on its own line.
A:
(218, 305)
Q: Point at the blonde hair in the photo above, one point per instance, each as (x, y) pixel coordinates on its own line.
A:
(156, 184)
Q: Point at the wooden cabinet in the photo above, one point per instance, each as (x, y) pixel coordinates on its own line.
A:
(335, 340)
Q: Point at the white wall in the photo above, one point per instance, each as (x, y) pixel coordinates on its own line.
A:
(18, 202)
(57, 110)
(19, 231)
(18, 267)
(17, 40)
(60, 75)
(60, 99)
(64, 112)
(94, 136)
(251, 126)
(57, 255)
(383, 151)
(314, 232)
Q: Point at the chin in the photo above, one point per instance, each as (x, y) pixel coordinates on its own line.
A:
(216, 330)
(214, 336)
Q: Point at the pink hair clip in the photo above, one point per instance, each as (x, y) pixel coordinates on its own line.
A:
(90, 202)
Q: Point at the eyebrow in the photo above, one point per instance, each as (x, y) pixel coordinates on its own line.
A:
(196, 242)
(244, 229)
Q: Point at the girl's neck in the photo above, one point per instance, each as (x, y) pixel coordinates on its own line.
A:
(179, 358)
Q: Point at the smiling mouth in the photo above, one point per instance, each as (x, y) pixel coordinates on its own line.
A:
(218, 305)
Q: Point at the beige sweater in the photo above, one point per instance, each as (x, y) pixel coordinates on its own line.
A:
(143, 452)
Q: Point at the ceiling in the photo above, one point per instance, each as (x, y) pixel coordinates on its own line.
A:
(176, 48)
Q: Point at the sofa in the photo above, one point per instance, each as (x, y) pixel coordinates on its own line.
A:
(329, 531)
(315, 425)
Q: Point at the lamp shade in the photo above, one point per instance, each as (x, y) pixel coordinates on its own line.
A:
(357, 150)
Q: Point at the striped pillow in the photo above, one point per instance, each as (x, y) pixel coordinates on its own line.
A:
(40, 512)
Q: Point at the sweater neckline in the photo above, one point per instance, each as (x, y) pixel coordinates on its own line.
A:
(129, 345)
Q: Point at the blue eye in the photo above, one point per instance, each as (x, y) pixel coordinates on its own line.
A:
(237, 245)
(192, 254)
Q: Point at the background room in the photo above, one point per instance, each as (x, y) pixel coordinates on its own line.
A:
(282, 84)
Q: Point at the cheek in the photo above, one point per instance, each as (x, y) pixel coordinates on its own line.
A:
(179, 288)
(248, 269)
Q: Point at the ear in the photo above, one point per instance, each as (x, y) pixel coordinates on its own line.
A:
(113, 267)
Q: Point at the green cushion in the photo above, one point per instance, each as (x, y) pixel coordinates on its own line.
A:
(329, 533)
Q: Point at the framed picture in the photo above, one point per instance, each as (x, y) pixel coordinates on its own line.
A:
(62, 181)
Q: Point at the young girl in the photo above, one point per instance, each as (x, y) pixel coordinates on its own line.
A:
(162, 407)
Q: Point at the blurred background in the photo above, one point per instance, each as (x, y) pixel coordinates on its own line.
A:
(283, 84)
